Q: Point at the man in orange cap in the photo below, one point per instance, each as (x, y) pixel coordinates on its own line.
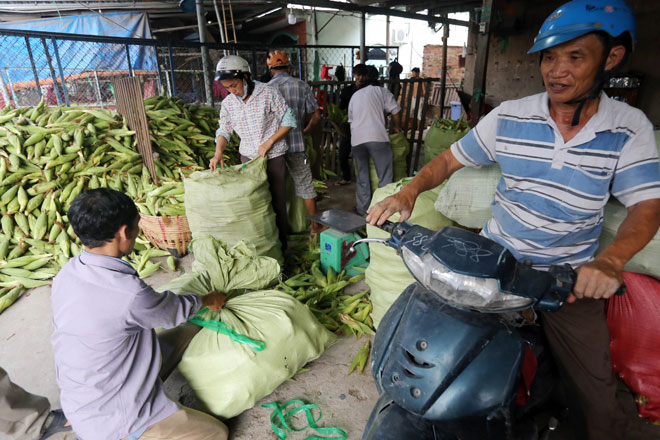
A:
(299, 97)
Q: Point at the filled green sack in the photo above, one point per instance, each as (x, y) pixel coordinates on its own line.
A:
(440, 135)
(296, 211)
(400, 149)
(387, 275)
(234, 204)
(468, 194)
(227, 376)
(646, 260)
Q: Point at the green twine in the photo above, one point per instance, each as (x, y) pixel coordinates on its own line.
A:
(280, 414)
(222, 328)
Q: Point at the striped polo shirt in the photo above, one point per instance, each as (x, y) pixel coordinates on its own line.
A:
(549, 203)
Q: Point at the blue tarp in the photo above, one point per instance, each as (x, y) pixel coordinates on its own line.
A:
(78, 56)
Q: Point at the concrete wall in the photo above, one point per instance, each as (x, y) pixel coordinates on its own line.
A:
(513, 74)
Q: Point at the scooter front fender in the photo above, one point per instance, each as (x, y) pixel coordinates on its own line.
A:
(442, 363)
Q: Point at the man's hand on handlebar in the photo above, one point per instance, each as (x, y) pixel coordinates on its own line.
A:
(598, 279)
(400, 202)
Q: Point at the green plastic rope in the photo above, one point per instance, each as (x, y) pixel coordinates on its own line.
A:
(280, 414)
(222, 328)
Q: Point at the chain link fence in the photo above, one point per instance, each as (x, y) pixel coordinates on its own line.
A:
(78, 70)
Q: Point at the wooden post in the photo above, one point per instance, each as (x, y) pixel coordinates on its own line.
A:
(480, 65)
(443, 90)
(419, 143)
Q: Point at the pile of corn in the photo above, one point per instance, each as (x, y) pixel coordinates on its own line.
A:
(324, 296)
(48, 156)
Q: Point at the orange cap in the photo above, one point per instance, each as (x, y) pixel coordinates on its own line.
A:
(277, 58)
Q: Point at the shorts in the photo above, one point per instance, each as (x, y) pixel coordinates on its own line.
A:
(301, 173)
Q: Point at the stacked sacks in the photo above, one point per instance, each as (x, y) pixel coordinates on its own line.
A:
(440, 136)
(387, 275)
(400, 149)
(646, 260)
(228, 376)
(467, 196)
(634, 338)
(234, 204)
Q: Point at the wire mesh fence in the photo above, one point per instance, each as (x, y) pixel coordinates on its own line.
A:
(79, 70)
(76, 70)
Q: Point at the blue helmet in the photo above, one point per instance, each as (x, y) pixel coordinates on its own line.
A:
(580, 17)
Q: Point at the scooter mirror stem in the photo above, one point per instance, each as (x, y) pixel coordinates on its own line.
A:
(367, 240)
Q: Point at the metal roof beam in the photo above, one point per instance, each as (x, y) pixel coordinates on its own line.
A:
(445, 8)
(375, 11)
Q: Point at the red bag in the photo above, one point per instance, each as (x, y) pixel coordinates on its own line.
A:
(635, 340)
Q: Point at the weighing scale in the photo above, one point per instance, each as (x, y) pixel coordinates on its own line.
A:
(336, 241)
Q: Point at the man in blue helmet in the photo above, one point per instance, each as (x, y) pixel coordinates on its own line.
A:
(562, 153)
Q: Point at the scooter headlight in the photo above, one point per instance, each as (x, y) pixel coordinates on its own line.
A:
(482, 294)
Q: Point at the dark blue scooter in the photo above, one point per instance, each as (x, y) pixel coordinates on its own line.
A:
(450, 359)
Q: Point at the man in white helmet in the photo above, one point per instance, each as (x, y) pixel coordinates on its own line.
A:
(562, 154)
(261, 117)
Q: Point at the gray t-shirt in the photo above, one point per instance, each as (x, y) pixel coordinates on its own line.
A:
(107, 355)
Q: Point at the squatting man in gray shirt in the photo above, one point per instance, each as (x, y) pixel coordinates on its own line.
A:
(107, 354)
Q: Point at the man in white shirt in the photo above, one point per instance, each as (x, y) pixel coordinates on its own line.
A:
(369, 138)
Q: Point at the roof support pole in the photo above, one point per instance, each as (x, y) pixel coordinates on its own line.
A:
(481, 61)
(363, 31)
(443, 91)
(206, 63)
(217, 15)
(387, 39)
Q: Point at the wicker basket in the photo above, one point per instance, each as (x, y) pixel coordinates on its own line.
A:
(169, 233)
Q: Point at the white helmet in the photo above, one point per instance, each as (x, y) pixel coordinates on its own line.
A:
(231, 66)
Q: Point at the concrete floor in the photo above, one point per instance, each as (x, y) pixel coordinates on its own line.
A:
(346, 401)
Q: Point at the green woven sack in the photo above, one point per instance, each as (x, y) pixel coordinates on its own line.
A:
(400, 149)
(230, 270)
(386, 275)
(234, 204)
(438, 139)
(295, 209)
(468, 194)
(228, 377)
(646, 260)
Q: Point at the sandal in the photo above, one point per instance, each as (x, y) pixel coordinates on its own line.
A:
(342, 182)
(57, 424)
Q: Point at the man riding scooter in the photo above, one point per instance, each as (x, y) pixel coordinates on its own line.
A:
(562, 153)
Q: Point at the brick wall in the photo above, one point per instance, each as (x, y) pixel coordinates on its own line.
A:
(432, 65)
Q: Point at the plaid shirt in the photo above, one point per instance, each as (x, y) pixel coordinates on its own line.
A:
(298, 95)
(255, 120)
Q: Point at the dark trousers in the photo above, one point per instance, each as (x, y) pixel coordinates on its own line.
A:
(381, 154)
(580, 343)
(344, 153)
(276, 171)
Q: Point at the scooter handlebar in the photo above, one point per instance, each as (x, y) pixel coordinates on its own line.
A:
(566, 277)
